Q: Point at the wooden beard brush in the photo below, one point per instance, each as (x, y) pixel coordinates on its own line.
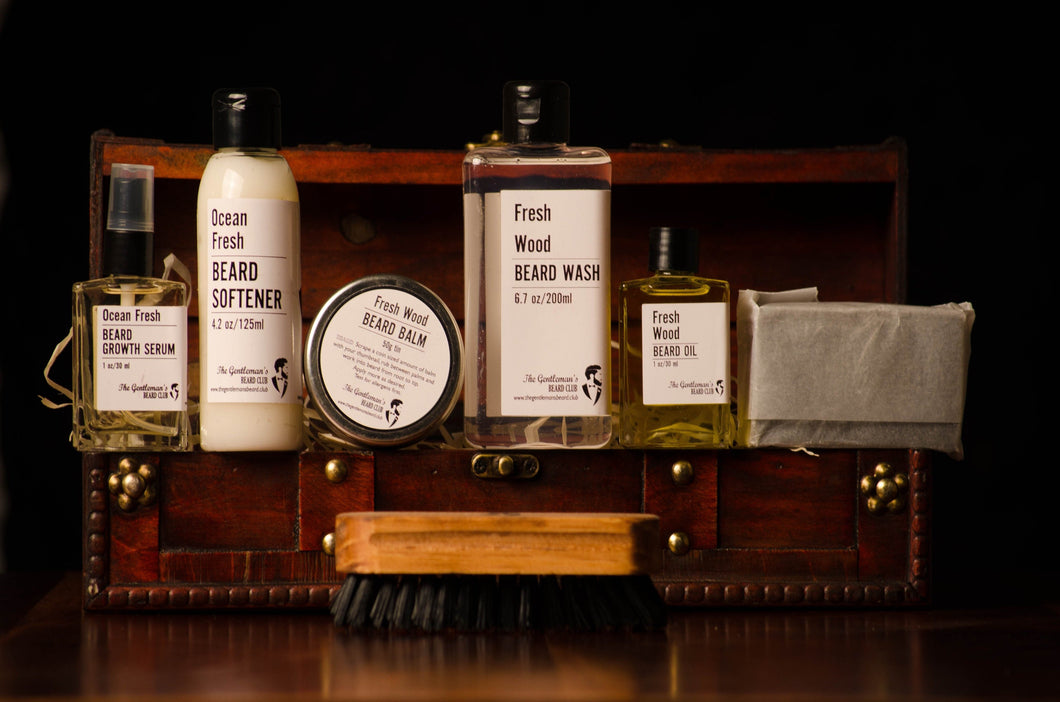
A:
(479, 571)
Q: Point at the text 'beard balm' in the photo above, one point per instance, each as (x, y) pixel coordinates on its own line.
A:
(384, 361)
(537, 280)
(249, 259)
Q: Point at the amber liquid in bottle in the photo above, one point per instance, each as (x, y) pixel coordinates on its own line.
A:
(674, 379)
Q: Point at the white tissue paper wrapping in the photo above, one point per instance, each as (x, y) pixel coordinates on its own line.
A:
(850, 374)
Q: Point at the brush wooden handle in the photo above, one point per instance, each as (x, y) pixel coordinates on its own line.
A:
(477, 543)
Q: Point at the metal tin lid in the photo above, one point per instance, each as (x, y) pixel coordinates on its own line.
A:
(383, 361)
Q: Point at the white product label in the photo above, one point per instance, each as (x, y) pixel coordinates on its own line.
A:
(140, 358)
(385, 359)
(686, 353)
(253, 319)
(547, 258)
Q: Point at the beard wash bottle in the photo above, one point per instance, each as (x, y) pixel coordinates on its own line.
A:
(674, 383)
(249, 260)
(130, 334)
(537, 280)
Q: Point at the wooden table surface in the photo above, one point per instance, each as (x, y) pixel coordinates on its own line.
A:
(50, 648)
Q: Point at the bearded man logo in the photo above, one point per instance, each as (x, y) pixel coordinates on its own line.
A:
(279, 381)
(593, 387)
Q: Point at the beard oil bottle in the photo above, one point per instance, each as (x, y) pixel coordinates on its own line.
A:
(537, 280)
(674, 383)
(249, 259)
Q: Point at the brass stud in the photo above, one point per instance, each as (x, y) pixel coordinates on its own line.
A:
(505, 465)
(126, 503)
(885, 489)
(328, 543)
(679, 543)
(356, 229)
(336, 470)
(147, 471)
(494, 138)
(682, 473)
(134, 484)
(897, 504)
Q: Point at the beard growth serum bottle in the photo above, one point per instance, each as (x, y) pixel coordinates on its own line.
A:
(537, 280)
(674, 383)
(249, 259)
(130, 334)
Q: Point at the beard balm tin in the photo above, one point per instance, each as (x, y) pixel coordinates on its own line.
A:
(383, 361)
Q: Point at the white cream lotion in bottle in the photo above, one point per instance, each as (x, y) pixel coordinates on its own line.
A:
(249, 261)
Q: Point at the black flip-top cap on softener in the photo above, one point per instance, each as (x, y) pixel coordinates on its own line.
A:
(536, 111)
(247, 117)
(673, 249)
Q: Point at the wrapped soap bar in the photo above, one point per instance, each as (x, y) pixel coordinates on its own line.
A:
(817, 374)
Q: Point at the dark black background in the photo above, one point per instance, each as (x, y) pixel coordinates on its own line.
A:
(970, 96)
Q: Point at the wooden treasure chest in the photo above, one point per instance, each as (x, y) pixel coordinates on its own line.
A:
(739, 527)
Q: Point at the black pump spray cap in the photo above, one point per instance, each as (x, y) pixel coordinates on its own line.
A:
(128, 244)
(673, 249)
(248, 117)
(536, 111)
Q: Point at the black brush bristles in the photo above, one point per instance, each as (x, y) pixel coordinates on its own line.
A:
(485, 605)
(383, 606)
(424, 603)
(400, 617)
(468, 603)
(464, 604)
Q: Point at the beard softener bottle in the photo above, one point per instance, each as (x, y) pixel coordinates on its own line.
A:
(249, 260)
(130, 334)
(674, 376)
(537, 280)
